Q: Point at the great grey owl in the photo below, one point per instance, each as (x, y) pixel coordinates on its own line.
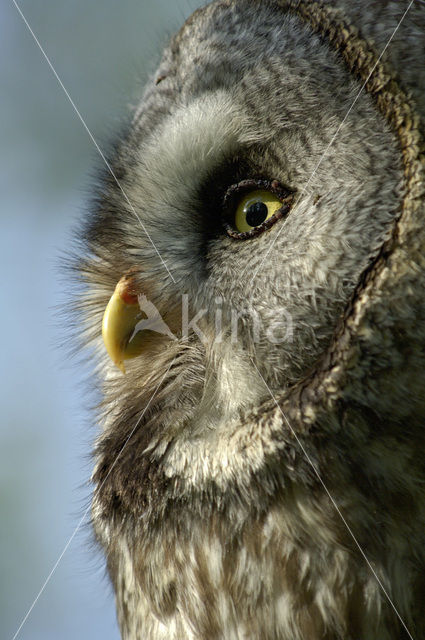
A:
(257, 242)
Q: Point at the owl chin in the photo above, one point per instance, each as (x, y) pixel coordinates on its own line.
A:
(255, 266)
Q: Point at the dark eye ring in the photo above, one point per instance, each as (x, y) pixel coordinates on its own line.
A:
(250, 207)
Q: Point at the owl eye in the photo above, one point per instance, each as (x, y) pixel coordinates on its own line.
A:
(254, 209)
(253, 206)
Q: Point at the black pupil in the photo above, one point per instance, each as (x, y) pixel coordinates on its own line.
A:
(256, 214)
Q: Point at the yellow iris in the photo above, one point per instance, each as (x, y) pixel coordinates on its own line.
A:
(255, 208)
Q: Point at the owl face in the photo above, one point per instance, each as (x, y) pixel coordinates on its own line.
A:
(255, 185)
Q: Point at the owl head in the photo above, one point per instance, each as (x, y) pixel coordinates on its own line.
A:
(253, 189)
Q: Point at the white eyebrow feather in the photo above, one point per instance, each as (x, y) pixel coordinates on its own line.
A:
(195, 137)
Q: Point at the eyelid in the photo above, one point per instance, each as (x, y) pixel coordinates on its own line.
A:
(236, 191)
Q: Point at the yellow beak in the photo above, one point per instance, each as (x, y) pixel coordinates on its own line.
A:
(121, 316)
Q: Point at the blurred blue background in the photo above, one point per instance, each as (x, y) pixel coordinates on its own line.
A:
(103, 51)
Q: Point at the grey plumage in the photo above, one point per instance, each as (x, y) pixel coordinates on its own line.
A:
(212, 518)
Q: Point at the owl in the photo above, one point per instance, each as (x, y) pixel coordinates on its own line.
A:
(252, 286)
